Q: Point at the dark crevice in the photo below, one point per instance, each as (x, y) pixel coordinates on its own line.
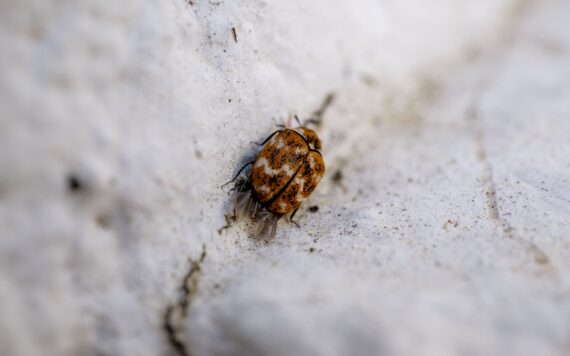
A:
(177, 312)
(473, 117)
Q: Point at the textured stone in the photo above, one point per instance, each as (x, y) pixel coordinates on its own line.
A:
(442, 222)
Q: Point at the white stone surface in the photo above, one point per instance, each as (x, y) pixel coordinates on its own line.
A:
(448, 234)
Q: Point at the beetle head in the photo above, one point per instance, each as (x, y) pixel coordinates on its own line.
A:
(311, 138)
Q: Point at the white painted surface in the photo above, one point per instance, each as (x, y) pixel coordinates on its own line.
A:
(448, 234)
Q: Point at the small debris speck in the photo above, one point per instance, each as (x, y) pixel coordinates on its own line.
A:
(74, 183)
(337, 176)
(103, 220)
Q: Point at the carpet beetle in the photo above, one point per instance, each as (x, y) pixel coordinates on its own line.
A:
(285, 172)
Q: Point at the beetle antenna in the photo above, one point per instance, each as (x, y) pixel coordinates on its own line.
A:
(288, 124)
(298, 121)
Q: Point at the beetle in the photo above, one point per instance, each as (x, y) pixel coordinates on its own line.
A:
(285, 172)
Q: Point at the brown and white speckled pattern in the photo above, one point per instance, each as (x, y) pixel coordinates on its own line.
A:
(287, 170)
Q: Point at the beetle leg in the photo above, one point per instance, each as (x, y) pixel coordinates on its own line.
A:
(291, 218)
(267, 139)
(238, 173)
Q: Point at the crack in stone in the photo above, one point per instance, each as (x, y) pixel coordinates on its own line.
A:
(176, 313)
(519, 11)
(489, 185)
(490, 189)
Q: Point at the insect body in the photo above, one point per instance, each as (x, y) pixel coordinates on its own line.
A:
(283, 175)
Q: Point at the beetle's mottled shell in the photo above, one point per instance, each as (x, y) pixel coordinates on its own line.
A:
(287, 170)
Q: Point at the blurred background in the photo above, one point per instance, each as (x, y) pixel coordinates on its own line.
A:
(440, 228)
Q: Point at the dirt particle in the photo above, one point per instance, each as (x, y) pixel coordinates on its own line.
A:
(75, 184)
(369, 80)
(450, 223)
(234, 34)
(313, 209)
(539, 256)
(337, 176)
(103, 221)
